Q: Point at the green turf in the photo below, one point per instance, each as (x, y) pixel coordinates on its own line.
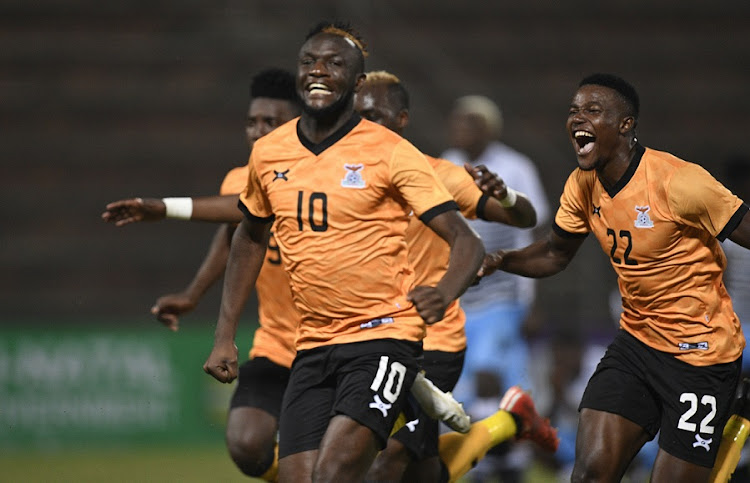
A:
(183, 465)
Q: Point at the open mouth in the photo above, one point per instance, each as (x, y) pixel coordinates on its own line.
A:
(318, 88)
(585, 142)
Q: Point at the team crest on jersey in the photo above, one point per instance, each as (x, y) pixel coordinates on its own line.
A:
(353, 178)
(643, 220)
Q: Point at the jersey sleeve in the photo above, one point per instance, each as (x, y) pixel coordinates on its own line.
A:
(571, 219)
(698, 200)
(417, 182)
(234, 181)
(253, 201)
(462, 187)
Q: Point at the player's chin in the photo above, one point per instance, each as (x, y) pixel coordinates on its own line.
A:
(586, 163)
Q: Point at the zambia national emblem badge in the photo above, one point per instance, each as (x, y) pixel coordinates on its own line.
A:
(353, 178)
(643, 220)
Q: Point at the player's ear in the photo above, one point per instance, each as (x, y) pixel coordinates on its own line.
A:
(403, 119)
(627, 124)
(359, 82)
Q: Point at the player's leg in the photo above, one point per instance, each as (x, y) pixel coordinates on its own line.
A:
(606, 443)
(734, 435)
(619, 412)
(252, 423)
(305, 413)
(516, 417)
(251, 441)
(373, 381)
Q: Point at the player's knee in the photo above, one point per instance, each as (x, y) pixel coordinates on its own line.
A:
(252, 455)
(591, 468)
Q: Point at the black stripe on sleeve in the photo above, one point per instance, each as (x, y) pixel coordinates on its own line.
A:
(566, 234)
(481, 204)
(437, 210)
(251, 217)
(733, 222)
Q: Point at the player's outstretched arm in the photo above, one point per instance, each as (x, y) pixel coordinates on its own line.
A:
(133, 210)
(168, 308)
(245, 260)
(216, 209)
(466, 255)
(505, 204)
(540, 259)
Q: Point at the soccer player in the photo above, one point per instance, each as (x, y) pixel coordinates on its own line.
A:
(674, 365)
(252, 422)
(340, 190)
(412, 453)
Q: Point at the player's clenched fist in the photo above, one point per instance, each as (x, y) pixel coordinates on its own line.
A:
(222, 362)
(430, 303)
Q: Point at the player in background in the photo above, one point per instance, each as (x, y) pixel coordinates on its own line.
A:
(412, 453)
(675, 364)
(340, 190)
(252, 422)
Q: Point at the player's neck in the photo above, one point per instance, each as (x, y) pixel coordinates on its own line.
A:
(611, 171)
(317, 128)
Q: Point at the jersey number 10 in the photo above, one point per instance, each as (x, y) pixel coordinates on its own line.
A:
(317, 201)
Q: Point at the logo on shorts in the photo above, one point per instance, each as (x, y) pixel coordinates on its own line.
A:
(643, 220)
(687, 346)
(412, 425)
(703, 443)
(380, 405)
(353, 178)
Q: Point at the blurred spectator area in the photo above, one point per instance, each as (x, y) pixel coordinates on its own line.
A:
(105, 100)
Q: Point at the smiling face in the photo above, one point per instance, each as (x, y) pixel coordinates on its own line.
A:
(599, 125)
(329, 71)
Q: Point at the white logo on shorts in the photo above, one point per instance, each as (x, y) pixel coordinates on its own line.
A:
(412, 425)
(703, 443)
(380, 405)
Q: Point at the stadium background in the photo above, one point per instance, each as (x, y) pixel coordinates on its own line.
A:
(105, 100)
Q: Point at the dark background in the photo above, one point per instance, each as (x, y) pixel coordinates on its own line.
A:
(107, 100)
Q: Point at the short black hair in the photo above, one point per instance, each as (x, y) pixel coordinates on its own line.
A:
(275, 84)
(346, 31)
(624, 88)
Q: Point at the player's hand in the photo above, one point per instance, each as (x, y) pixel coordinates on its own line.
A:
(490, 264)
(222, 362)
(168, 307)
(429, 302)
(490, 183)
(133, 210)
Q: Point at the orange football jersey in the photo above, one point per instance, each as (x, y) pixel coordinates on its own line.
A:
(341, 209)
(429, 254)
(661, 225)
(277, 316)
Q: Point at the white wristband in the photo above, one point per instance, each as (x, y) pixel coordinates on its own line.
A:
(511, 196)
(179, 208)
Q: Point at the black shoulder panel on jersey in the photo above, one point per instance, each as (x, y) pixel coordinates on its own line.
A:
(566, 234)
(481, 204)
(733, 222)
(628, 175)
(253, 218)
(316, 149)
(436, 210)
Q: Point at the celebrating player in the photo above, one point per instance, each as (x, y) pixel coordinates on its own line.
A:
(340, 190)
(674, 365)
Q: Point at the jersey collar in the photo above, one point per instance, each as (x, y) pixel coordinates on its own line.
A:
(628, 175)
(316, 149)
